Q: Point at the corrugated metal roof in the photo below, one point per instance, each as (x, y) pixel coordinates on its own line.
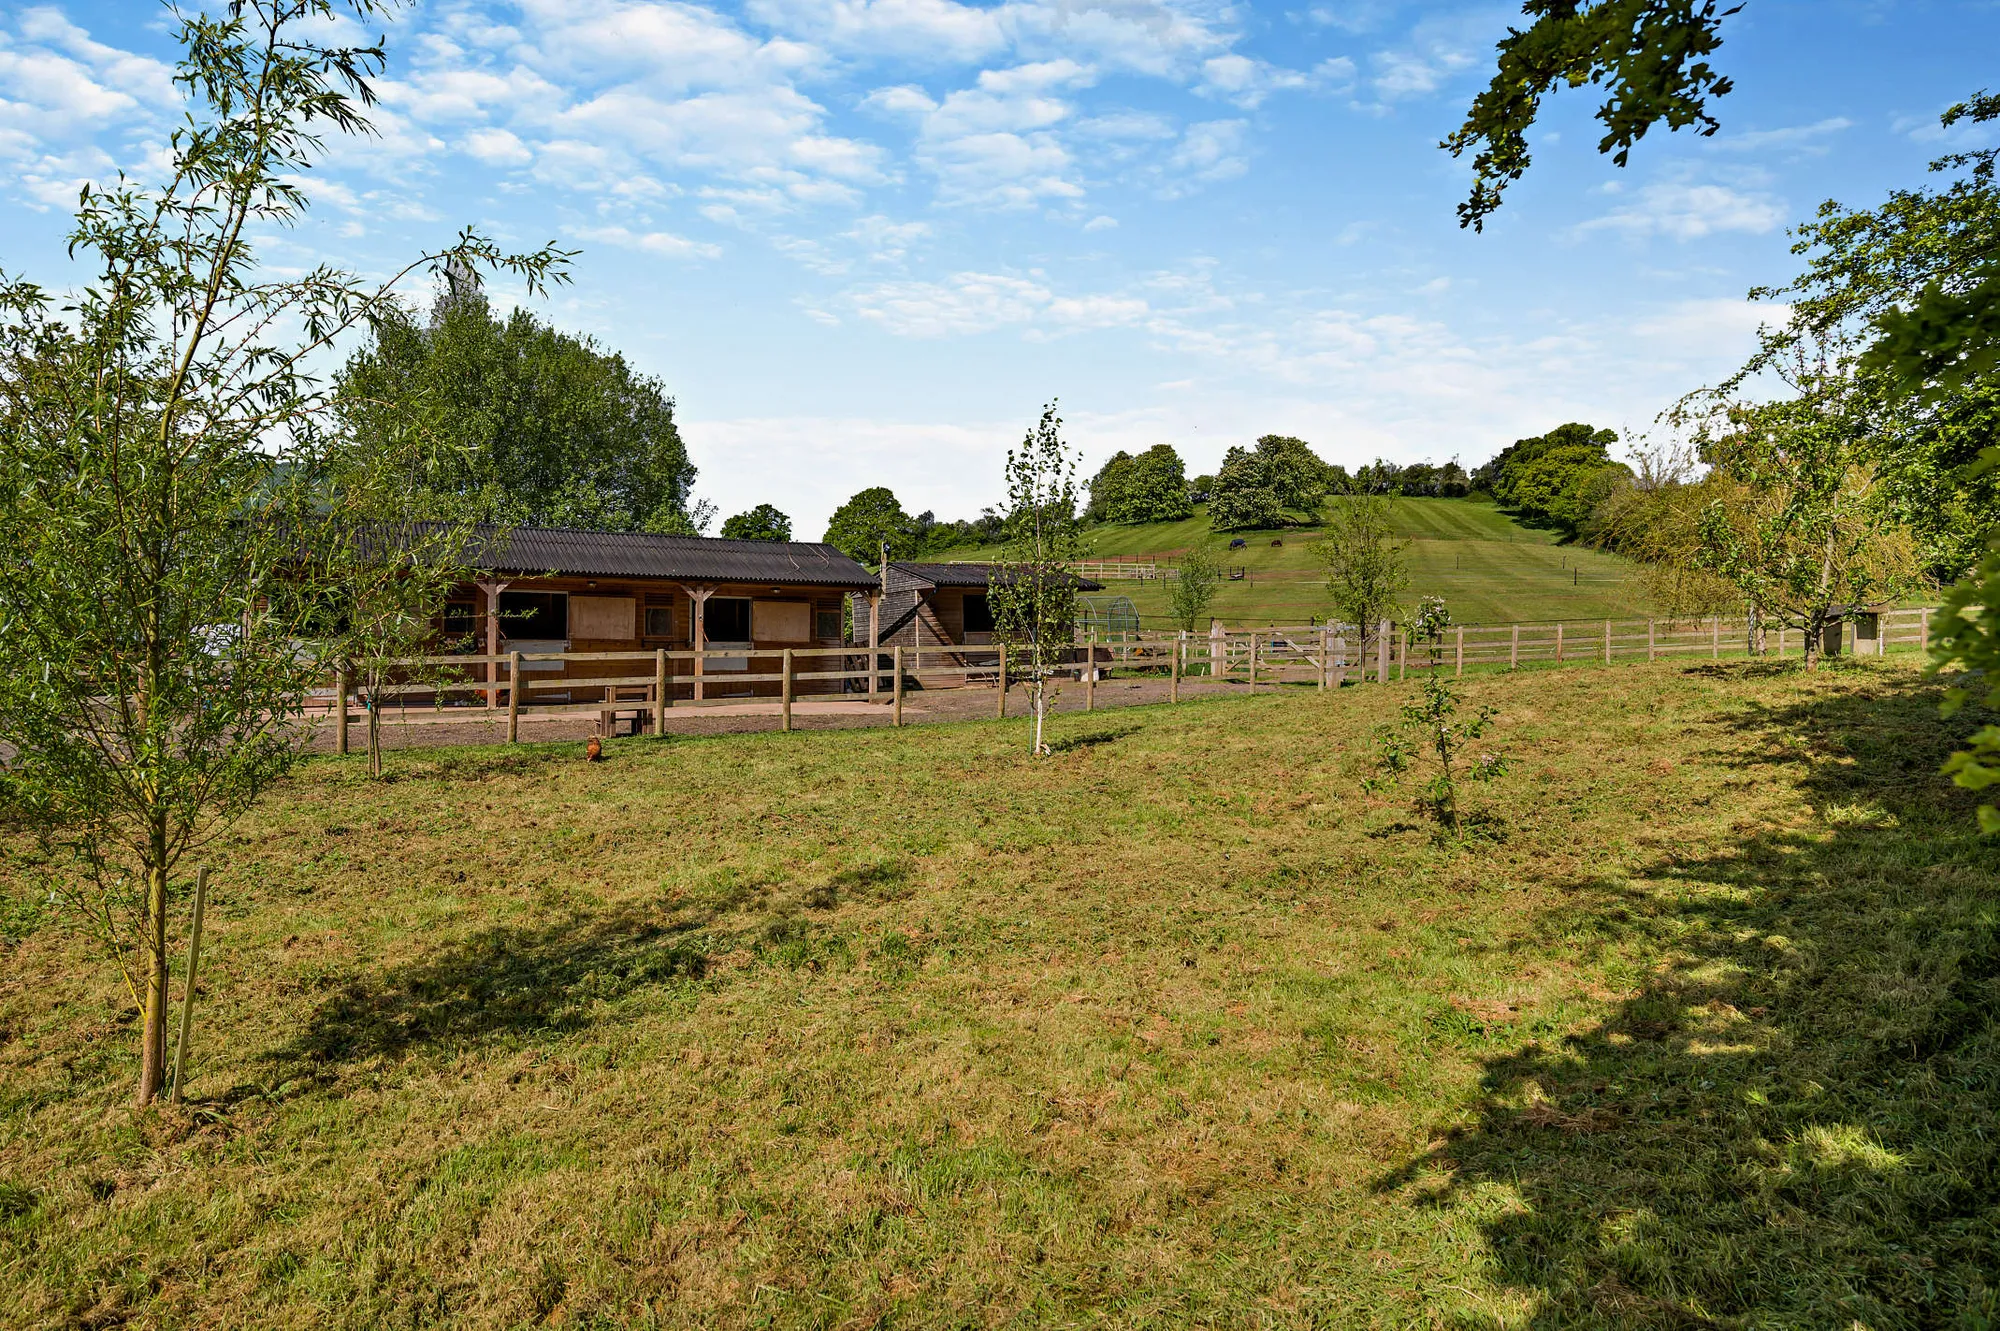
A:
(614, 554)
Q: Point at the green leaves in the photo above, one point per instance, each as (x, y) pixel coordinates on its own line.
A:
(868, 522)
(1033, 589)
(762, 523)
(1651, 55)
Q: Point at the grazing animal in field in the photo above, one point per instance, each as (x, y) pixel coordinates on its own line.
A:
(593, 752)
(1278, 542)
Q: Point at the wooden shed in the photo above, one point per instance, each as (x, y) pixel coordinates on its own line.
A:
(555, 589)
(937, 607)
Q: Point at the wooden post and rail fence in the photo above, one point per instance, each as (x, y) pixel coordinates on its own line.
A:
(1322, 655)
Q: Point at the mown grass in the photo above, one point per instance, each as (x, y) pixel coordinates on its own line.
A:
(1178, 1027)
(1487, 566)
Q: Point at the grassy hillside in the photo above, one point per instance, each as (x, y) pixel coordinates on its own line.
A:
(1488, 567)
(1178, 1027)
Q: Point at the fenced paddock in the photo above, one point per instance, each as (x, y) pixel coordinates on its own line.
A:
(1130, 667)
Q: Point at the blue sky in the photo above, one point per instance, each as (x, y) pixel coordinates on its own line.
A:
(862, 240)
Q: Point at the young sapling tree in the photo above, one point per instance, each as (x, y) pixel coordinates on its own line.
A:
(1033, 592)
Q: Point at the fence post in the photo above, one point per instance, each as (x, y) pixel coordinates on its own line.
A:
(896, 692)
(785, 694)
(1174, 687)
(1324, 640)
(1715, 637)
(1458, 667)
(1514, 650)
(1253, 660)
(1559, 642)
(1652, 651)
(1382, 652)
(340, 714)
(1340, 671)
(1001, 710)
(660, 691)
(1607, 642)
(1090, 675)
(513, 697)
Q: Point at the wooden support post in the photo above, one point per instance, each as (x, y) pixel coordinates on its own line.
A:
(1090, 672)
(340, 712)
(1340, 671)
(896, 690)
(492, 590)
(1174, 688)
(1382, 652)
(1781, 642)
(660, 691)
(513, 697)
(698, 634)
(1924, 630)
(1000, 708)
(1253, 661)
(1607, 642)
(875, 641)
(187, 984)
(785, 694)
(1652, 643)
(1402, 653)
(1458, 666)
(1324, 659)
(1559, 642)
(1514, 650)
(1715, 637)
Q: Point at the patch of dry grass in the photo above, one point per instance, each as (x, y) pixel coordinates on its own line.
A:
(1177, 1027)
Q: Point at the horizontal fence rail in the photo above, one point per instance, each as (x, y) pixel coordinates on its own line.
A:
(1323, 655)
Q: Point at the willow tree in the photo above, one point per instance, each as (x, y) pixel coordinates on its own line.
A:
(161, 476)
(1033, 591)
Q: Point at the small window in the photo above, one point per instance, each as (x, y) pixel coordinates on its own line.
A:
(828, 625)
(659, 621)
(461, 618)
(535, 616)
(978, 614)
(727, 619)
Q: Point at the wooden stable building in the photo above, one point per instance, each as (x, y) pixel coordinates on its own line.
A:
(553, 589)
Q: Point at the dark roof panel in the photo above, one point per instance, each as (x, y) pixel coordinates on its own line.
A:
(611, 554)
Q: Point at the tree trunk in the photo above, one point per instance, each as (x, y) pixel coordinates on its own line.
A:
(1815, 630)
(153, 949)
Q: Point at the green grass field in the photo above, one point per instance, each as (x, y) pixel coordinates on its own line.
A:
(1176, 1028)
(1489, 568)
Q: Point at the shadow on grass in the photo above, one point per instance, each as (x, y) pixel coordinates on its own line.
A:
(1797, 1121)
(498, 985)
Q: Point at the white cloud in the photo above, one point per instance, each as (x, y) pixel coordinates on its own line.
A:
(661, 243)
(968, 303)
(1100, 223)
(1687, 211)
(1809, 138)
(496, 147)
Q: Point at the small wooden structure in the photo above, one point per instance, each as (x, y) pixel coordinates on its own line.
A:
(933, 608)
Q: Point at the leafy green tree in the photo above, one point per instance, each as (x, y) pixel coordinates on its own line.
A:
(1197, 574)
(1552, 478)
(1279, 481)
(1364, 560)
(1151, 487)
(1033, 591)
(163, 451)
(1655, 518)
(1867, 265)
(1968, 636)
(867, 522)
(528, 425)
(1651, 56)
(1805, 535)
(762, 523)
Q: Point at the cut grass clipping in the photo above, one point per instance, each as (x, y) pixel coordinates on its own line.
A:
(1175, 1027)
